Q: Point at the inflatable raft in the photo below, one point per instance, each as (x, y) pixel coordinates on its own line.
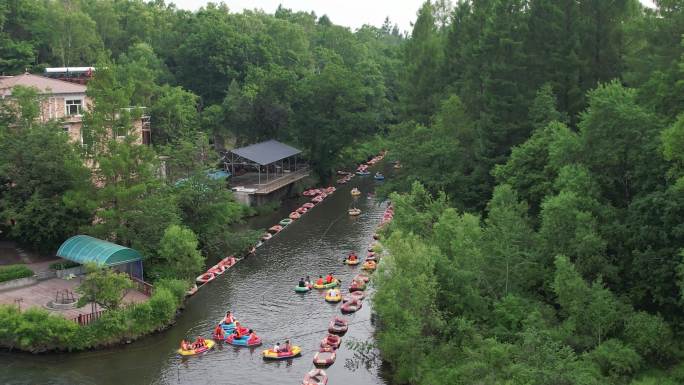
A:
(331, 340)
(338, 325)
(302, 289)
(208, 344)
(243, 341)
(354, 212)
(351, 307)
(205, 278)
(315, 377)
(334, 298)
(369, 265)
(269, 354)
(357, 286)
(324, 358)
(330, 285)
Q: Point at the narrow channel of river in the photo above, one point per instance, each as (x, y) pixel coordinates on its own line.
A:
(259, 290)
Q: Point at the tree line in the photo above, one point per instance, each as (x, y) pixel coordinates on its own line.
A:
(537, 235)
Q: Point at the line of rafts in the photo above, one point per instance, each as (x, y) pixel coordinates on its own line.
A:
(318, 195)
(214, 271)
(338, 326)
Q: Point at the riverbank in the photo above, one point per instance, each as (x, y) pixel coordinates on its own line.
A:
(259, 291)
(37, 331)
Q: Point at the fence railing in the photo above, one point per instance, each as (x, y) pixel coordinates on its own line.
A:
(85, 319)
(142, 286)
(268, 187)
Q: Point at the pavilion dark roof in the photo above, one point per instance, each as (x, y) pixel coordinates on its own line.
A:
(266, 152)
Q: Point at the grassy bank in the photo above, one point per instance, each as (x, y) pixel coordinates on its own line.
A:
(36, 330)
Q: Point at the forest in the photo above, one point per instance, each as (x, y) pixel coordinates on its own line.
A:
(209, 80)
(538, 236)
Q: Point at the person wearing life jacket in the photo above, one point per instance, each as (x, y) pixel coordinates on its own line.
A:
(287, 347)
(199, 342)
(276, 348)
(252, 336)
(320, 280)
(238, 332)
(219, 333)
(185, 345)
(352, 257)
(329, 278)
(228, 319)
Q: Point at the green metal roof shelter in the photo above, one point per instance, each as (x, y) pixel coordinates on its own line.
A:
(86, 249)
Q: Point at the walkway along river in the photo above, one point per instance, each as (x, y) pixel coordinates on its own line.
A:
(259, 290)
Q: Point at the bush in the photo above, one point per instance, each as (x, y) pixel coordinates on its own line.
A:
(163, 306)
(10, 272)
(63, 265)
(34, 330)
(177, 287)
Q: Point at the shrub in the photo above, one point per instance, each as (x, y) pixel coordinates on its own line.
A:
(177, 287)
(163, 306)
(10, 272)
(34, 330)
(63, 265)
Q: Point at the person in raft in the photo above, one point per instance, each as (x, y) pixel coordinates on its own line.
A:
(329, 278)
(332, 293)
(320, 280)
(252, 336)
(308, 281)
(199, 342)
(228, 319)
(276, 348)
(237, 332)
(286, 348)
(185, 345)
(302, 283)
(219, 333)
(352, 256)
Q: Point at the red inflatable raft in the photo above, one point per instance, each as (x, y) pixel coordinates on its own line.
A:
(351, 306)
(324, 358)
(331, 340)
(205, 278)
(338, 325)
(315, 377)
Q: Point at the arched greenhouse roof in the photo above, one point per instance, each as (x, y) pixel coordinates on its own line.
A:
(86, 249)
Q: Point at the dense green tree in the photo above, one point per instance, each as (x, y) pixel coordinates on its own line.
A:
(103, 286)
(423, 59)
(179, 253)
(174, 114)
(46, 198)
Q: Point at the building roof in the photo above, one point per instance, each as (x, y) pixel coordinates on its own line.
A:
(266, 152)
(86, 249)
(44, 85)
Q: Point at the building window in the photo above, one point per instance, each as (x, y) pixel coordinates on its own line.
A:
(66, 129)
(73, 107)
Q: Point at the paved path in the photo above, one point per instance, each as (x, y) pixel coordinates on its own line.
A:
(40, 294)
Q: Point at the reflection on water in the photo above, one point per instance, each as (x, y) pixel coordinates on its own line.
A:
(259, 290)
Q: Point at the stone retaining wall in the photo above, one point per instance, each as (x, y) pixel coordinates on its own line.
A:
(16, 283)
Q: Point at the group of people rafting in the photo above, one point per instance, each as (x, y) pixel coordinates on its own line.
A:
(330, 278)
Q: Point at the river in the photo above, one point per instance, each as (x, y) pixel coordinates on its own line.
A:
(259, 291)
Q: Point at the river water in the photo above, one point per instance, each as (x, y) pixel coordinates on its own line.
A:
(259, 291)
